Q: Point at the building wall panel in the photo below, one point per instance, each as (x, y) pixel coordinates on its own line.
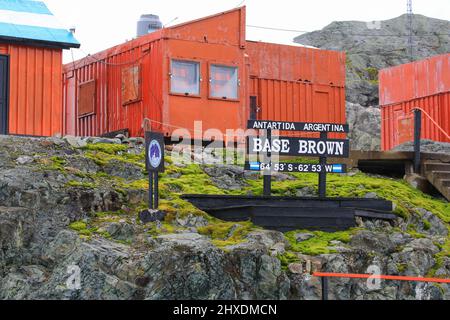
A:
(111, 113)
(35, 101)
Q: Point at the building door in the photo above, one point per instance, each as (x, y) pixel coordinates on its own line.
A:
(4, 92)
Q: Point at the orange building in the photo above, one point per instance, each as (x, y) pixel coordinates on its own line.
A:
(203, 70)
(422, 84)
(31, 44)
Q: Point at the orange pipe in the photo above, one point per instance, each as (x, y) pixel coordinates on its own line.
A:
(384, 277)
(434, 122)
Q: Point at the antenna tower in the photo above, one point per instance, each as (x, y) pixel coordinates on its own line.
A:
(410, 29)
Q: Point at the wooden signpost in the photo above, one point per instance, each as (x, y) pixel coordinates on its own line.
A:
(300, 147)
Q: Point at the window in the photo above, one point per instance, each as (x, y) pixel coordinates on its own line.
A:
(86, 98)
(185, 77)
(131, 84)
(224, 82)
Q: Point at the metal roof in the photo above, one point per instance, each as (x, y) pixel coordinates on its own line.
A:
(30, 21)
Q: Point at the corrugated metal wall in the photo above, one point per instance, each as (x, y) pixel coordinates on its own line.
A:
(398, 120)
(35, 101)
(297, 84)
(301, 102)
(424, 84)
(106, 68)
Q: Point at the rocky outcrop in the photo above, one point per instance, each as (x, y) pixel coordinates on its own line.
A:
(69, 229)
(426, 146)
(371, 46)
(365, 127)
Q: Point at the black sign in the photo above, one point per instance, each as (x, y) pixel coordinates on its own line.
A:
(154, 151)
(295, 167)
(297, 126)
(289, 146)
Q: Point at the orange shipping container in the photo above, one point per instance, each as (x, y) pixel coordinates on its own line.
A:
(203, 70)
(423, 84)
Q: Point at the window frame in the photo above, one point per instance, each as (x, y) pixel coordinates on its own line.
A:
(200, 78)
(238, 84)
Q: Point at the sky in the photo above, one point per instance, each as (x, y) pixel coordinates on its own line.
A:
(101, 24)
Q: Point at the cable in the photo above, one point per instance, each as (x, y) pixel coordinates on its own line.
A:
(88, 55)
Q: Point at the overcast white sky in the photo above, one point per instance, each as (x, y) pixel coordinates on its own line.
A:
(103, 23)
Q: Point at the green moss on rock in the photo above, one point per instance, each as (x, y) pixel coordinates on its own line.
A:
(320, 243)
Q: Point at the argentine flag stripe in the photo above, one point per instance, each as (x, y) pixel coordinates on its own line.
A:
(255, 166)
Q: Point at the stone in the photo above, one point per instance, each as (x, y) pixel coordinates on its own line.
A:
(434, 226)
(121, 231)
(278, 249)
(300, 237)
(418, 182)
(106, 141)
(296, 268)
(371, 195)
(24, 160)
(147, 216)
(306, 192)
(191, 221)
(372, 241)
(75, 142)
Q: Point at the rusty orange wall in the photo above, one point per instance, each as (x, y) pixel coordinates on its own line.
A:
(106, 68)
(415, 80)
(294, 63)
(424, 84)
(297, 84)
(398, 120)
(214, 40)
(35, 101)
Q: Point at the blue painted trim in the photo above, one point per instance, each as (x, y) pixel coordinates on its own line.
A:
(38, 7)
(61, 36)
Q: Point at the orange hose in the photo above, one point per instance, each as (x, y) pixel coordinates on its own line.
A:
(367, 276)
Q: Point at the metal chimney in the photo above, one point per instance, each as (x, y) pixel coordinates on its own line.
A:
(148, 23)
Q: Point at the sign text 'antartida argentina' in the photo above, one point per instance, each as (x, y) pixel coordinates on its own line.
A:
(297, 126)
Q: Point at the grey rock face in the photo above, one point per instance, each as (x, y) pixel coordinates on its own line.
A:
(371, 47)
(365, 127)
(40, 258)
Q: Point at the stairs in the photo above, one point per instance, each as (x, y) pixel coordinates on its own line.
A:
(438, 174)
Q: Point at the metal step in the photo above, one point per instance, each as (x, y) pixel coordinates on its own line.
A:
(438, 174)
(445, 182)
(435, 166)
(441, 174)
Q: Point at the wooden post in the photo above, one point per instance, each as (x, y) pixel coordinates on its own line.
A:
(417, 137)
(268, 175)
(324, 288)
(323, 173)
